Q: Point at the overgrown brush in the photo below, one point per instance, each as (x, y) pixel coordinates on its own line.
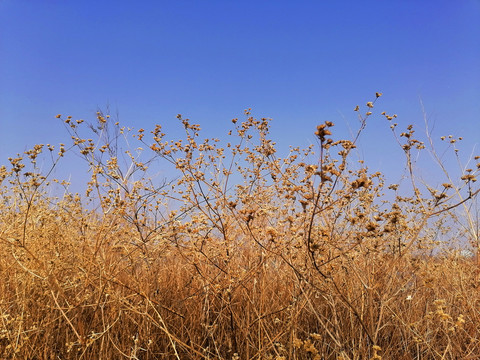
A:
(243, 254)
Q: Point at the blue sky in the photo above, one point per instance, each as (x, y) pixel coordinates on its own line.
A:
(298, 62)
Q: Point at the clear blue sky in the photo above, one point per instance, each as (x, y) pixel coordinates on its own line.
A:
(298, 62)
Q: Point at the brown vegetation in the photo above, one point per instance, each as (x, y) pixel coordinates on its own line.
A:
(243, 255)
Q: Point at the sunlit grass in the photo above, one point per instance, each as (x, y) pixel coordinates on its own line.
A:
(241, 254)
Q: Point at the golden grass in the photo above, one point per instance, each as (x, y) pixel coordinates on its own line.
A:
(244, 255)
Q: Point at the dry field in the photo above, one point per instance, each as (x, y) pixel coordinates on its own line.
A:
(240, 254)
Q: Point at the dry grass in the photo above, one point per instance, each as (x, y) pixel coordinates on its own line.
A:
(244, 255)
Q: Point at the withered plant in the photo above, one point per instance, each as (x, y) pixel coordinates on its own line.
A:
(239, 253)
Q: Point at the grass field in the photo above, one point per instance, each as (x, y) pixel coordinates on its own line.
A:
(241, 254)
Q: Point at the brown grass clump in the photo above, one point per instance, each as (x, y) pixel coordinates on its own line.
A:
(242, 255)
